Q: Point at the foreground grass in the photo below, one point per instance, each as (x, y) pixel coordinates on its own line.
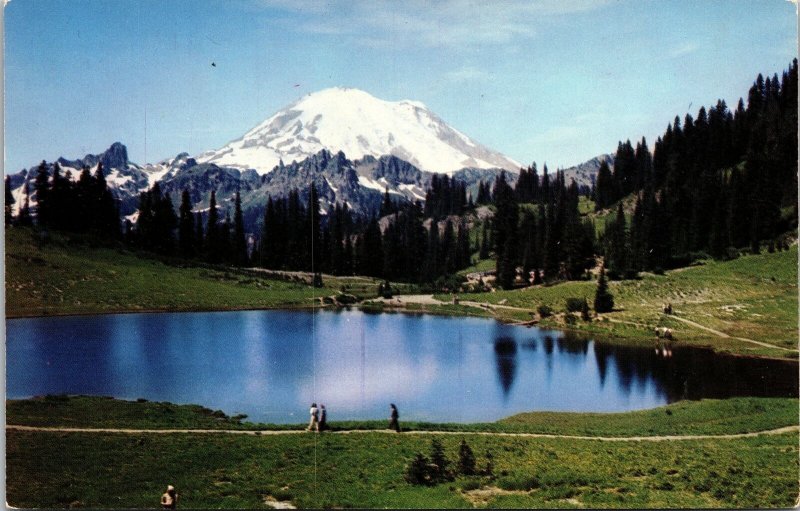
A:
(49, 470)
(754, 297)
(108, 470)
(706, 417)
(64, 276)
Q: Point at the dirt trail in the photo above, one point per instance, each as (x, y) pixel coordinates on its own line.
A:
(723, 334)
(655, 438)
(430, 300)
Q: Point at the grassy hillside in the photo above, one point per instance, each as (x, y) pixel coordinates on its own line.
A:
(55, 469)
(753, 297)
(64, 276)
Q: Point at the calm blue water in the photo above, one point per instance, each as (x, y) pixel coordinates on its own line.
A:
(271, 365)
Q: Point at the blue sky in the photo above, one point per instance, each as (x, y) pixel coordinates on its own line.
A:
(556, 80)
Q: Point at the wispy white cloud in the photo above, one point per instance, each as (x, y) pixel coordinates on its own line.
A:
(683, 49)
(467, 74)
(429, 24)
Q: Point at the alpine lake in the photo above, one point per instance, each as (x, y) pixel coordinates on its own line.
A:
(271, 365)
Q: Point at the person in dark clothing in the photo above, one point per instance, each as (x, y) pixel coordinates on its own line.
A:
(323, 418)
(393, 418)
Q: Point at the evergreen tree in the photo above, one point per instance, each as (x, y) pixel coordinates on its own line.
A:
(505, 232)
(9, 203)
(484, 248)
(603, 299)
(617, 251)
(466, 459)
(214, 249)
(371, 256)
(62, 201)
(441, 465)
(239, 246)
(186, 229)
(83, 201)
(164, 221)
(199, 236)
(42, 187)
(105, 211)
(314, 248)
(387, 208)
(604, 187)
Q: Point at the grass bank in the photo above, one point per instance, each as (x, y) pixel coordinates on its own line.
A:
(753, 297)
(705, 417)
(65, 276)
(57, 469)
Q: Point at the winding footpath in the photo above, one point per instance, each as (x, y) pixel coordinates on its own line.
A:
(723, 334)
(654, 438)
(430, 300)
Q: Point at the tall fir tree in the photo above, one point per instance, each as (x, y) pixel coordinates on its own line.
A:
(603, 299)
(42, 187)
(9, 203)
(214, 248)
(186, 229)
(239, 242)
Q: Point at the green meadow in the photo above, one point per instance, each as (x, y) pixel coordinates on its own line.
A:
(64, 275)
(752, 297)
(48, 469)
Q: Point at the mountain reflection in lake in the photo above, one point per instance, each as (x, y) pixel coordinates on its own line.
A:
(272, 364)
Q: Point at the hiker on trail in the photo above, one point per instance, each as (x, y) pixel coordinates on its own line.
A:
(393, 423)
(323, 418)
(170, 499)
(314, 421)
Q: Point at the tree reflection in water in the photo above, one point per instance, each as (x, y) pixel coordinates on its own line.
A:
(505, 353)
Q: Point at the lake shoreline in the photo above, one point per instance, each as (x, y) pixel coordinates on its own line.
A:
(421, 309)
(734, 415)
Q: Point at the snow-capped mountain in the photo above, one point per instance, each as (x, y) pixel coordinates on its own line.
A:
(358, 124)
(352, 146)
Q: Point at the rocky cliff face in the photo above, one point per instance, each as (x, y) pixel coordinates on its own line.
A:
(361, 184)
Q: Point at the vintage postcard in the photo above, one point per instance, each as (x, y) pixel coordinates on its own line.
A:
(401, 254)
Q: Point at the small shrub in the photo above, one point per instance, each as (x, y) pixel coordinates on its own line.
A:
(575, 304)
(466, 459)
(418, 471)
(570, 318)
(544, 311)
(585, 311)
(441, 472)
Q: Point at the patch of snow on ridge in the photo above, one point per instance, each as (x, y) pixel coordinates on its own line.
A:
(371, 183)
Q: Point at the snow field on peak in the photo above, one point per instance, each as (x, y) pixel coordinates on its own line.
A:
(358, 124)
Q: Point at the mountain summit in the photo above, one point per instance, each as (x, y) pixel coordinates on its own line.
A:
(359, 124)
